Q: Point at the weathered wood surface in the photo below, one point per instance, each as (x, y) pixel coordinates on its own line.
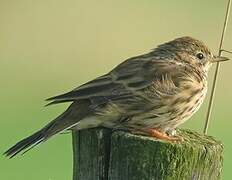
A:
(100, 154)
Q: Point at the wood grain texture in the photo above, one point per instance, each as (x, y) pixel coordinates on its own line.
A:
(91, 154)
(100, 154)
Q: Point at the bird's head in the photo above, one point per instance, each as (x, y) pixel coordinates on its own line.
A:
(190, 52)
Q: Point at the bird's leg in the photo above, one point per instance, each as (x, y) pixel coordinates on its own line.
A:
(156, 133)
(162, 135)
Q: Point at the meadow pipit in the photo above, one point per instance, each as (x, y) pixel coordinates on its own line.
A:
(151, 93)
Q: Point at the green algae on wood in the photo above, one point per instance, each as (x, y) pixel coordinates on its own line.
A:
(100, 154)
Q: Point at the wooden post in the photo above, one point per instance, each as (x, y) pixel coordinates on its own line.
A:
(100, 154)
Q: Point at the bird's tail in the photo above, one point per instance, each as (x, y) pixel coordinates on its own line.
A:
(27, 143)
(65, 121)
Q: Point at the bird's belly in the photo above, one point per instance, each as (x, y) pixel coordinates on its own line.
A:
(187, 107)
(174, 111)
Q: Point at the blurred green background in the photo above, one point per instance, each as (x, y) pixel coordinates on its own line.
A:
(48, 47)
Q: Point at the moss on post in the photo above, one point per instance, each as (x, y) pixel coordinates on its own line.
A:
(100, 154)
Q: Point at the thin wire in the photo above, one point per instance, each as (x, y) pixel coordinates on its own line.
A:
(217, 70)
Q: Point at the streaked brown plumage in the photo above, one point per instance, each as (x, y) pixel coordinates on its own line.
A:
(151, 93)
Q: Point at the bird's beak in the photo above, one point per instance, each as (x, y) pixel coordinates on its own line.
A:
(219, 59)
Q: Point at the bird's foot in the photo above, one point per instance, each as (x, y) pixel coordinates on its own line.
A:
(163, 136)
(171, 132)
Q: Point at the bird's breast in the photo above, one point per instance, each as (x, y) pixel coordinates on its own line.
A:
(185, 103)
(176, 108)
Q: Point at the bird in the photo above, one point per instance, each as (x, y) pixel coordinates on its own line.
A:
(150, 94)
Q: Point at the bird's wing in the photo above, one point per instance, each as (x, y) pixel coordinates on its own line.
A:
(123, 81)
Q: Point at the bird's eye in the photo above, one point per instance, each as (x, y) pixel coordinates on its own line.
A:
(200, 56)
